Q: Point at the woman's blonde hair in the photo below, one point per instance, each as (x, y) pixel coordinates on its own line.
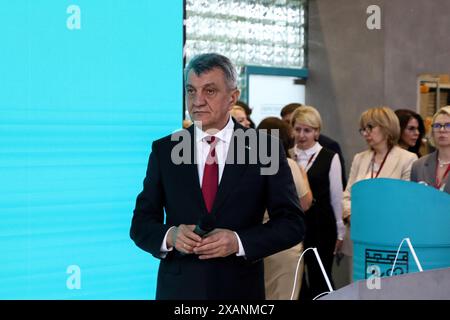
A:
(307, 115)
(386, 119)
(236, 107)
(445, 111)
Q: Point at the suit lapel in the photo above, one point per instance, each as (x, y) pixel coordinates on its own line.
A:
(390, 164)
(232, 172)
(430, 168)
(365, 165)
(192, 172)
(230, 176)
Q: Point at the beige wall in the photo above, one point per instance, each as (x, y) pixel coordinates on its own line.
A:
(353, 68)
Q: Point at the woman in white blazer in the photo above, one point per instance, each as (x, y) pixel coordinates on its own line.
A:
(384, 159)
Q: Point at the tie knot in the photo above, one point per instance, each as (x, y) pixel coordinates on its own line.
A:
(210, 139)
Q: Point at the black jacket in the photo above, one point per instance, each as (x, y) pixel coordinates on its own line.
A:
(172, 196)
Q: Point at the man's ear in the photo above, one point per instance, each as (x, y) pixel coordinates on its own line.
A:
(234, 97)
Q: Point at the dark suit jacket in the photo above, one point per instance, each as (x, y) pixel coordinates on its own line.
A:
(329, 143)
(424, 170)
(243, 196)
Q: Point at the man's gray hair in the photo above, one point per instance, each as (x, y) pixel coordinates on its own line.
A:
(207, 61)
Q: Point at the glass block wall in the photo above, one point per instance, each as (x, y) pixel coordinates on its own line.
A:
(249, 32)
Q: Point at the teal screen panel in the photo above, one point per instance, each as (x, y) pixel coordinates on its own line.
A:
(85, 87)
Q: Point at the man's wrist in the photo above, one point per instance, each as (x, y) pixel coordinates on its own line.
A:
(171, 237)
(241, 251)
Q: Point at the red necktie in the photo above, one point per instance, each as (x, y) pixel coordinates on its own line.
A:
(210, 175)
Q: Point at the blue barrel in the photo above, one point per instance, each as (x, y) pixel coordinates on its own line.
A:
(385, 211)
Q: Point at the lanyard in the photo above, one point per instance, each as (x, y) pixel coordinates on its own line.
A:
(310, 159)
(381, 166)
(438, 183)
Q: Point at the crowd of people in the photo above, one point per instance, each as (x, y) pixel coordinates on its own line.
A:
(395, 149)
(263, 223)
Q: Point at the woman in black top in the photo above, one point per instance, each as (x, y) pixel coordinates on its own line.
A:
(324, 227)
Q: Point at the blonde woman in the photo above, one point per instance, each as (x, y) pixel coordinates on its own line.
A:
(238, 113)
(324, 227)
(380, 128)
(434, 168)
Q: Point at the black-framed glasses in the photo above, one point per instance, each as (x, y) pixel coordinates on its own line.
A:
(367, 129)
(438, 126)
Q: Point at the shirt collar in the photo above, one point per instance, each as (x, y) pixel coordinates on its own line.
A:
(223, 135)
(308, 152)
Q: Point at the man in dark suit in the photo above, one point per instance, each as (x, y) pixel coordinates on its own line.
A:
(207, 177)
(325, 141)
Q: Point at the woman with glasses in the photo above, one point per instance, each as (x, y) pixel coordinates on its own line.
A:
(412, 130)
(434, 168)
(383, 159)
(324, 226)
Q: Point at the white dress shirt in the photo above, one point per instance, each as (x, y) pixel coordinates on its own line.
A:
(306, 158)
(223, 138)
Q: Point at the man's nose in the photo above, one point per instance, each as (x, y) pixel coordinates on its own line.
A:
(198, 99)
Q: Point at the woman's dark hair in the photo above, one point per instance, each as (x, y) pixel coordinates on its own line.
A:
(404, 115)
(289, 108)
(284, 130)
